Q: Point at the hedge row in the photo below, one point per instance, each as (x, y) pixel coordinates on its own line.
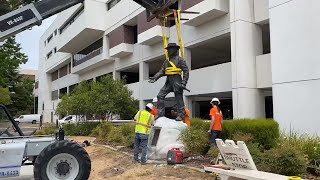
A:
(81, 129)
(265, 132)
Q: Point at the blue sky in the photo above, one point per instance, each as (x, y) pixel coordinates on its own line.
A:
(29, 40)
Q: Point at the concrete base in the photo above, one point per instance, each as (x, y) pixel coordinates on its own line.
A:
(165, 136)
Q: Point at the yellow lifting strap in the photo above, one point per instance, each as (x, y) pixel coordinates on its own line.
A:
(177, 15)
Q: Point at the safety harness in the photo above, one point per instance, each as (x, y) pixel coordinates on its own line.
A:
(173, 70)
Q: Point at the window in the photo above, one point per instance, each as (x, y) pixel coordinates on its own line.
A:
(69, 68)
(71, 20)
(49, 54)
(62, 92)
(55, 32)
(55, 50)
(55, 75)
(54, 95)
(63, 71)
(135, 34)
(45, 43)
(50, 38)
(72, 87)
(36, 85)
(112, 3)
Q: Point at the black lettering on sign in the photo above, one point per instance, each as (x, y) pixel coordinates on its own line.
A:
(240, 166)
(16, 20)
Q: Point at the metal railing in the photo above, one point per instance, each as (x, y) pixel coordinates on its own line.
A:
(81, 58)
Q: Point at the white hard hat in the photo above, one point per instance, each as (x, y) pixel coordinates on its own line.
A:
(149, 105)
(154, 100)
(215, 100)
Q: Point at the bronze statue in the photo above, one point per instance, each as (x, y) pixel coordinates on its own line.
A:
(173, 69)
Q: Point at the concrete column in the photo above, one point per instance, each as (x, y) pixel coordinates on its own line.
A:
(187, 100)
(116, 75)
(188, 104)
(187, 54)
(143, 71)
(246, 44)
(106, 46)
(142, 104)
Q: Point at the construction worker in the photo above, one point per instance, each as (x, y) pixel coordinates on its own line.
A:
(172, 68)
(41, 121)
(144, 120)
(154, 111)
(187, 115)
(216, 121)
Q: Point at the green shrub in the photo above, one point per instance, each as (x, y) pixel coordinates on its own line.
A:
(128, 132)
(265, 132)
(198, 123)
(284, 159)
(81, 129)
(309, 145)
(195, 140)
(122, 135)
(115, 135)
(47, 131)
(102, 130)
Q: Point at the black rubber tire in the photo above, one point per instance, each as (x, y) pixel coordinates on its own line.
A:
(34, 122)
(58, 147)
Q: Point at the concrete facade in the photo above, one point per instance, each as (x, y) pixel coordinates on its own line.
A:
(227, 50)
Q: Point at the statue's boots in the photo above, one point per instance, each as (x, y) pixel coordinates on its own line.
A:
(179, 119)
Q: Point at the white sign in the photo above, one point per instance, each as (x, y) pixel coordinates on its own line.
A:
(236, 155)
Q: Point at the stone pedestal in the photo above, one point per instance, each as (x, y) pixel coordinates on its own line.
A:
(164, 136)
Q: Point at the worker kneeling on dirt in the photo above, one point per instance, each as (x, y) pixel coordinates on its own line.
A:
(174, 114)
(144, 120)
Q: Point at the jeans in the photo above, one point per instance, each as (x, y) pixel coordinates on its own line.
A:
(213, 136)
(141, 140)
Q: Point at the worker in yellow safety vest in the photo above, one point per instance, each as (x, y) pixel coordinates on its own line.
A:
(144, 120)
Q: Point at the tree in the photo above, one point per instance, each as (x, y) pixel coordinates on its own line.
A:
(5, 96)
(105, 99)
(11, 57)
(22, 98)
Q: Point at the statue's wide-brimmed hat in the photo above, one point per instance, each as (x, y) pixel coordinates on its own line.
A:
(172, 45)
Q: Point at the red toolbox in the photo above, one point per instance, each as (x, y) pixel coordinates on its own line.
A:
(175, 156)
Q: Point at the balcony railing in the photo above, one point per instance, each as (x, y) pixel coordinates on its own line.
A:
(81, 58)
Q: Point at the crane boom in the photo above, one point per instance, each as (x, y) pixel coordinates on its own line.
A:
(30, 15)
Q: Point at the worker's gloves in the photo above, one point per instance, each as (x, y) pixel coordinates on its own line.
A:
(152, 80)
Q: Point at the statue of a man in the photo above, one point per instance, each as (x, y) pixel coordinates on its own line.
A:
(172, 68)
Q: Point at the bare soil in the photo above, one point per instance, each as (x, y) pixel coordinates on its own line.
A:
(109, 164)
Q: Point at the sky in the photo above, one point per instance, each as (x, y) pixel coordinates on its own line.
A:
(29, 40)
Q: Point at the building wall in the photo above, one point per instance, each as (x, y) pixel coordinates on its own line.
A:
(295, 64)
(246, 75)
